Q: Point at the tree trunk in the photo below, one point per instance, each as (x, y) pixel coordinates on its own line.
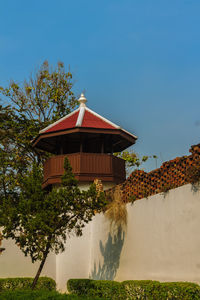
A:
(40, 268)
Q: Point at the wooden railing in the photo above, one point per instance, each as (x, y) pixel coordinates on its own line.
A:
(86, 167)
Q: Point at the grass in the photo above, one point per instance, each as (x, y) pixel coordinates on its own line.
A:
(40, 295)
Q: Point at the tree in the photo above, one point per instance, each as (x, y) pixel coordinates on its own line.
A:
(132, 159)
(40, 221)
(1, 249)
(24, 110)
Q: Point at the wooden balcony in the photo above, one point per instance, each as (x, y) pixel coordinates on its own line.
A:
(86, 167)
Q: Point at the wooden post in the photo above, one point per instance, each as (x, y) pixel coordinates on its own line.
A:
(81, 143)
(102, 145)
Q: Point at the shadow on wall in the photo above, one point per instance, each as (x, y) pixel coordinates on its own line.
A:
(195, 187)
(111, 252)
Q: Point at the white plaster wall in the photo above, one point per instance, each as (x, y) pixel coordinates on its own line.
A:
(74, 262)
(162, 241)
(103, 252)
(13, 263)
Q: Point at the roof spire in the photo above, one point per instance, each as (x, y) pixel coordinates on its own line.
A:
(82, 100)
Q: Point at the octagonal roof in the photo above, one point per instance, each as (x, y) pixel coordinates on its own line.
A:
(85, 120)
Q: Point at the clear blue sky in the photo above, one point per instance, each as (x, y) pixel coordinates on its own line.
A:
(137, 60)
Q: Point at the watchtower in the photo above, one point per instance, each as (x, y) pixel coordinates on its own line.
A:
(89, 141)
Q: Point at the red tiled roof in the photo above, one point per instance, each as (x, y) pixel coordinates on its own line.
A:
(91, 120)
(66, 123)
(82, 117)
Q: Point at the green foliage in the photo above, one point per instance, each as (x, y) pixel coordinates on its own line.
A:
(40, 221)
(40, 295)
(131, 158)
(105, 289)
(24, 110)
(24, 283)
(132, 199)
(135, 289)
(154, 290)
(79, 286)
(141, 289)
(46, 95)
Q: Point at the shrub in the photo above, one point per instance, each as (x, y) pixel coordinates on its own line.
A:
(141, 289)
(12, 284)
(154, 290)
(79, 286)
(40, 295)
(104, 289)
(134, 289)
(180, 290)
(27, 294)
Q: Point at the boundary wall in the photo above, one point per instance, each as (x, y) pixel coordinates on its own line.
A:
(161, 241)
